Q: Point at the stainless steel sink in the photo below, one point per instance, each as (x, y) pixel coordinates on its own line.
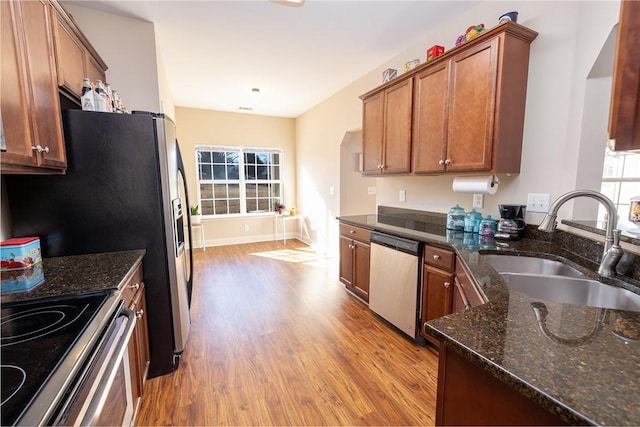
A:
(530, 265)
(573, 290)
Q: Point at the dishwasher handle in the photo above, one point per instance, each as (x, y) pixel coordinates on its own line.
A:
(401, 244)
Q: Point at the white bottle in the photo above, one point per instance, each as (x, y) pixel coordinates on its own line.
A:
(110, 104)
(87, 100)
(100, 96)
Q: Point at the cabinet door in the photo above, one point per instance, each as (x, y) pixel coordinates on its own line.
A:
(624, 114)
(372, 133)
(397, 128)
(430, 119)
(134, 371)
(361, 256)
(346, 261)
(437, 295)
(70, 57)
(472, 100)
(94, 70)
(14, 92)
(142, 337)
(45, 102)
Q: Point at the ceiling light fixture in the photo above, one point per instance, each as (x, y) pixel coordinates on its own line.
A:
(290, 3)
(256, 96)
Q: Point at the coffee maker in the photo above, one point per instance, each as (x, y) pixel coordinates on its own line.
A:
(511, 225)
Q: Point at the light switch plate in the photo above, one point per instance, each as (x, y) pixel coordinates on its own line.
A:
(371, 190)
(538, 202)
(402, 195)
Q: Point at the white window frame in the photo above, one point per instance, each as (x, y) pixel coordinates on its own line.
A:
(633, 177)
(242, 181)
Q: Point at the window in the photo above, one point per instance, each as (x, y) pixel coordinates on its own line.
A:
(620, 182)
(235, 180)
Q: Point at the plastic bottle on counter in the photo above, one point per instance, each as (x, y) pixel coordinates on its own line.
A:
(100, 96)
(87, 99)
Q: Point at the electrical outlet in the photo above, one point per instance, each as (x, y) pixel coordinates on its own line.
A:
(538, 202)
(402, 196)
(371, 190)
(332, 190)
(478, 201)
(246, 227)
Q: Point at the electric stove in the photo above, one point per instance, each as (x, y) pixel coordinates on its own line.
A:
(43, 343)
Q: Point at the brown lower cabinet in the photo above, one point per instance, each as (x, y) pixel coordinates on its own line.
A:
(446, 288)
(139, 356)
(437, 286)
(468, 395)
(355, 250)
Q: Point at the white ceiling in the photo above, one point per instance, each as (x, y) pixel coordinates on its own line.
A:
(215, 52)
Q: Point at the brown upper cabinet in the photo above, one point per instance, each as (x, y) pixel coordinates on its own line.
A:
(75, 57)
(386, 130)
(624, 113)
(467, 105)
(29, 93)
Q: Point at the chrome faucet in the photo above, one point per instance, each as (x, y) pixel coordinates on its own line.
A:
(612, 250)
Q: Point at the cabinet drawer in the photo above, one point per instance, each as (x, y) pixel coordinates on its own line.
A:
(354, 232)
(132, 286)
(440, 258)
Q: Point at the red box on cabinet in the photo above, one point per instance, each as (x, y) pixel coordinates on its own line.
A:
(434, 51)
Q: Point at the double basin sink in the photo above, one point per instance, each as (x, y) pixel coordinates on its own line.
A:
(556, 281)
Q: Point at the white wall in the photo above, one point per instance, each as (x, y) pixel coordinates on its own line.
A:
(571, 35)
(355, 198)
(128, 46)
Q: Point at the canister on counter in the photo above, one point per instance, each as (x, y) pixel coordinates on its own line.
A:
(488, 226)
(472, 221)
(455, 218)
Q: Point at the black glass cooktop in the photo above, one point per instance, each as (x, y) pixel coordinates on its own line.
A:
(35, 337)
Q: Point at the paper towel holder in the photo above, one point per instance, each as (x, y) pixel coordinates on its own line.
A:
(476, 184)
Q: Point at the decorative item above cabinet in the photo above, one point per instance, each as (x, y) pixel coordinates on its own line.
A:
(467, 107)
(624, 113)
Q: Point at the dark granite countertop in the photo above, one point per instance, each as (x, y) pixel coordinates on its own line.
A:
(583, 368)
(78, 274)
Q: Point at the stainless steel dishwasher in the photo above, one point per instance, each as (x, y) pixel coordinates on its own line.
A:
(394, 273)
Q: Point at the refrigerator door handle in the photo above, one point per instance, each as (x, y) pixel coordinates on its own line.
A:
(189, 232)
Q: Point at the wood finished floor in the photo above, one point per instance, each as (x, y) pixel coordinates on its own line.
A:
(276, 340)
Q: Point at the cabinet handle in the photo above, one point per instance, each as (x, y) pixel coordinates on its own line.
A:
(463, 295)
(441, 162)
(139, 314)
(436, 257)
(352, 231)
(447, 162)
(39, 149)
(135, 287)
(447, 284)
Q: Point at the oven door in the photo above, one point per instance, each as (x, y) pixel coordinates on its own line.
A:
(104, 394)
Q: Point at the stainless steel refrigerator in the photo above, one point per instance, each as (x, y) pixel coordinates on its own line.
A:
(125, 188)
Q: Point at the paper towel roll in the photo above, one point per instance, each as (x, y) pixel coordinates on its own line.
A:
(475, 184)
